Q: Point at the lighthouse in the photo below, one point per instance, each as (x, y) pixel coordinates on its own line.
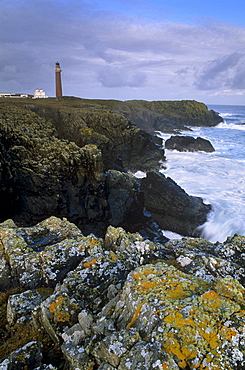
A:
(58, 81)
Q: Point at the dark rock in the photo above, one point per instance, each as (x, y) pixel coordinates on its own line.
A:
(43, 176)
(54, 177)
(188, 144)
(20, 306)
(171, 207)
(123, 145)
(165, 116)
(114, 346)
(125, 199)
(27, 357)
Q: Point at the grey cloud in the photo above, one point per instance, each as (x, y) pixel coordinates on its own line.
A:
(222, 72)
(238, 81)
(98, 51)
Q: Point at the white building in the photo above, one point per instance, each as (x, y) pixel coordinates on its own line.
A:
(39, 94)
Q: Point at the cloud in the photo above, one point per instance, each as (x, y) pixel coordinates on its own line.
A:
(229, 92)
(106, 55)
(223, 72)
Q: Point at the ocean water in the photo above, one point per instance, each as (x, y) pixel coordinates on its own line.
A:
(218, 177)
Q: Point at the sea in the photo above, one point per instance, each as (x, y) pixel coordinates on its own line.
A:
(217, 177)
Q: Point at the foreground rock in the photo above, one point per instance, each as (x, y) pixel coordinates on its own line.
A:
(198, 325)
(171, 207)
(189, 144)
(121, 302)
(39, 256)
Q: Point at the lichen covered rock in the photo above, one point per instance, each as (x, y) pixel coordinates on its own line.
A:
(20, 306)
(57, 313)
(121, 302)
(198, 324)
(203, 259)
(27, 357)
(40, 255)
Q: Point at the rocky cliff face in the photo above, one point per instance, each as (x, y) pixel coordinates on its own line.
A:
(171, 116)
(165, 116)
(122, 302)
(42, 175)
(123, 145)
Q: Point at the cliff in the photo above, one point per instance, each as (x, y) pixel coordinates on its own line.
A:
(165, 116)
(122, 143)
(51, 165)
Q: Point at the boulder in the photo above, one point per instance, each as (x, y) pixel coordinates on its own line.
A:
(202, 259)
(40, 255)
(114, 346)
(77, 358)
(188, 144)
(57, 315)
(20, 306)
(27, 357)
(144, 355)
(171, 207)
(192, 321)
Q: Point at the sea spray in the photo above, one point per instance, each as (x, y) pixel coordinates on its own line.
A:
(218, 177)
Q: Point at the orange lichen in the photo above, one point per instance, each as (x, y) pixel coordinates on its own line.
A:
(184, 352)
(195, 318)
(135, 316)
(211, 301)
(176, 290)
(56, 308)
(113, 256)
(137, 276)
(147, 272)
(229, 333)
(90, 263)
(81, 246)
(147, 285)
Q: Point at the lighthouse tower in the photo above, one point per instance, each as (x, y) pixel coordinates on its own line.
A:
(58, 81)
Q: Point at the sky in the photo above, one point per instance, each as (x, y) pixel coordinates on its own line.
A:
(125, 49)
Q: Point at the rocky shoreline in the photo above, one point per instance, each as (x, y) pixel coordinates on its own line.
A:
(94, 284)
(44, 174)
